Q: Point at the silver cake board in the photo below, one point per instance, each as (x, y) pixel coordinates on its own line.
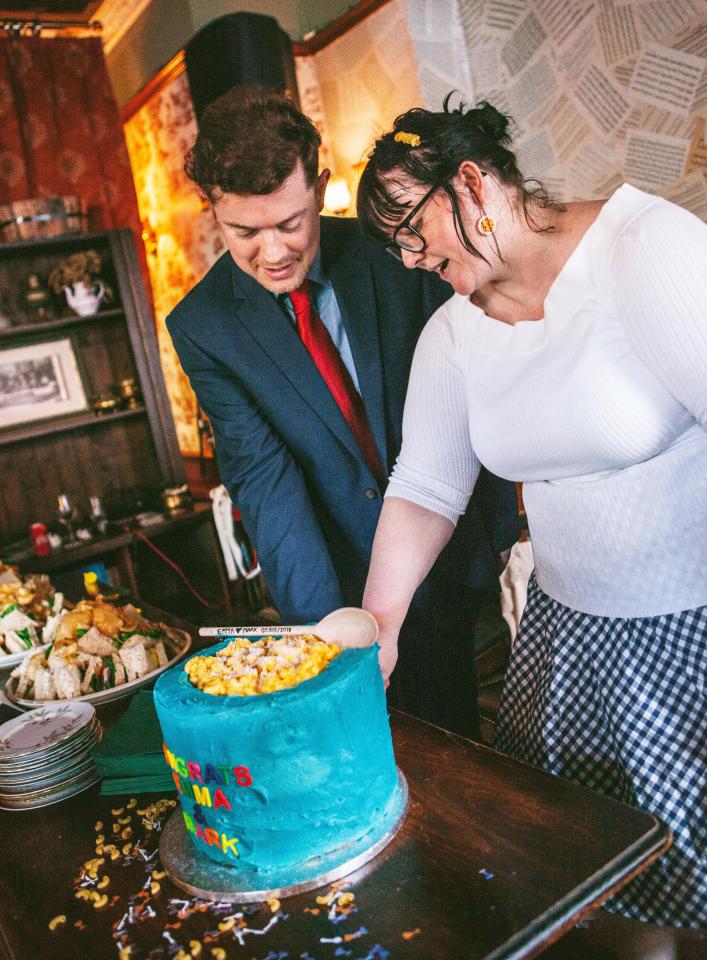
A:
(200, 877)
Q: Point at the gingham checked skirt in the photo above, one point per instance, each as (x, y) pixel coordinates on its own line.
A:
(620, 706)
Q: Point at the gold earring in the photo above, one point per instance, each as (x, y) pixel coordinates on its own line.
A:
(486, 224)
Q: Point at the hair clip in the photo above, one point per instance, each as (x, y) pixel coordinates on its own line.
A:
(412, 139)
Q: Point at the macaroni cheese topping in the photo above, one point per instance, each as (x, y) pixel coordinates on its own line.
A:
(245, 667)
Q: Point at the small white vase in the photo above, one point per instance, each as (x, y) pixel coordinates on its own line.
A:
(85, 299)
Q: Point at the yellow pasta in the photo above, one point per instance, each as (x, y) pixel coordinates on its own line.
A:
(246, 668)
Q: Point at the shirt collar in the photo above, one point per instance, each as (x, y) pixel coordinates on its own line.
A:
(316, 274)
(316, 271)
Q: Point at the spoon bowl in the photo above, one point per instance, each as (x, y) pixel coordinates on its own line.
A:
(347, 627)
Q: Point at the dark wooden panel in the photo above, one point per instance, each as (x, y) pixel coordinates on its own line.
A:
(105, 355)
(106, 459)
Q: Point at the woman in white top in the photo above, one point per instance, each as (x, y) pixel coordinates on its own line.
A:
(571, 357)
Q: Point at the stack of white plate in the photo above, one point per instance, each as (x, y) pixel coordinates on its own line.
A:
(45, 754)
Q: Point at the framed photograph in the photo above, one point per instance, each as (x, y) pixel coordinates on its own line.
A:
(39, 381)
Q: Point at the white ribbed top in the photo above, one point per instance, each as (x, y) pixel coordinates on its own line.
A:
(600, 409)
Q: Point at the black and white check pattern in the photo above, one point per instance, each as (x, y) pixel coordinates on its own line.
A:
(620, 706)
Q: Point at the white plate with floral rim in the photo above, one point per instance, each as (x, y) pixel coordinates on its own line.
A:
(47, 726)
(102, 696)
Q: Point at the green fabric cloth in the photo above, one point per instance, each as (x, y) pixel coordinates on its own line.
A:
(130, 757)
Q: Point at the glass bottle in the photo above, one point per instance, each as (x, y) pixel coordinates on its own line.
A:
(36, 297)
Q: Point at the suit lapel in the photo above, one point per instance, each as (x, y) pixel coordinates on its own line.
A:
(351, 274)
(268, 324)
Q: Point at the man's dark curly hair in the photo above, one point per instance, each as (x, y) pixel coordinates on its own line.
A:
(249, 142)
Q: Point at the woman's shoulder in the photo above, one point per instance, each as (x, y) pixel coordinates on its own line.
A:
(634, 213)
(631, 228)
(652, 230)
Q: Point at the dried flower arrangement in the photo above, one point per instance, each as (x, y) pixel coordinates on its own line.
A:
(81, 267)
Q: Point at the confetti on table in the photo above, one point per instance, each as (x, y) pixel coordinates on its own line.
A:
(409, 934)
(377, 953)
(486, 874)
(166, 920)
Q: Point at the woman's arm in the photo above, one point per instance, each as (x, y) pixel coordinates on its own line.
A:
(432, 481)
(408, 540)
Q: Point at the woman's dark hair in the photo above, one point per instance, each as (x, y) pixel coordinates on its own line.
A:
(249, 142)
(446, 138)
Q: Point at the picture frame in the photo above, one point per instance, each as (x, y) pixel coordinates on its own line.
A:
(40, 381)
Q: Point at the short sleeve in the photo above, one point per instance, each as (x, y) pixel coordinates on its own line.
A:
(659, 271)
(437, 467)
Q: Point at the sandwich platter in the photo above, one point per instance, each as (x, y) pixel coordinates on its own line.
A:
(45, 755)
(111, 693)
(10, 660)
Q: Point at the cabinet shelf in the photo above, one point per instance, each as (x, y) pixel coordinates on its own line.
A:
(59, 323)
(101, 546)
(122, 457)
(80, 422)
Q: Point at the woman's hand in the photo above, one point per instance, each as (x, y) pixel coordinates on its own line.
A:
(387, 657)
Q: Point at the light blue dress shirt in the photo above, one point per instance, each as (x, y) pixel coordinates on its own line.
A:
(325, 303)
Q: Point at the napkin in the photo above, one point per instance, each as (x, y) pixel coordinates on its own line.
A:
(130, 757)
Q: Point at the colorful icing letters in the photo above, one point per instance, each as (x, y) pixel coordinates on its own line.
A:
(211, 837)
(206, 774)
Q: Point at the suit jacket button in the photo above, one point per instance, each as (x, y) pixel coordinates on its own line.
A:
(370, 493)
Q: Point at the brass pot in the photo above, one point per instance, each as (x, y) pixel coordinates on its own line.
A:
(176, 500)
(106, 403)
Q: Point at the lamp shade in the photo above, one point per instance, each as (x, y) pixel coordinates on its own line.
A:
(337, 197)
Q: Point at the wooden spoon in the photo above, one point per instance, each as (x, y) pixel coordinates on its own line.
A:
(346, 627)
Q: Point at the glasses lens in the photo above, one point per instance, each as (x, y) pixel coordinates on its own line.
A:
(408, 239)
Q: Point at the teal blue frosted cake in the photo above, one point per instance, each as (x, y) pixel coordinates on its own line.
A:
(280, 786)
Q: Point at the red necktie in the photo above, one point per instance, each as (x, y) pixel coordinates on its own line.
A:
(327, 359)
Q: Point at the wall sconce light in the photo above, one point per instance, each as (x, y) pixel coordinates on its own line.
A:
(149, 237)
(337, 197)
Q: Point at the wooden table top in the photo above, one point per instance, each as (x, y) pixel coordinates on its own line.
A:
(495, 860)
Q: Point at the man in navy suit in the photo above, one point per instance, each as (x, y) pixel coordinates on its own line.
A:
(306, 473)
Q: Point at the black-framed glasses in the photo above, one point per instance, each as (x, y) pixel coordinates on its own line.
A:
(405, 236)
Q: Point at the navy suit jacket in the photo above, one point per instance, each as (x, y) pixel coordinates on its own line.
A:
(286, 455)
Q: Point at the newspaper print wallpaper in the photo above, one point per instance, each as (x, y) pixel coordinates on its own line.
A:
(600, 92)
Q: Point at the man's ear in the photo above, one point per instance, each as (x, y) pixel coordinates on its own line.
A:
(322, 181)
